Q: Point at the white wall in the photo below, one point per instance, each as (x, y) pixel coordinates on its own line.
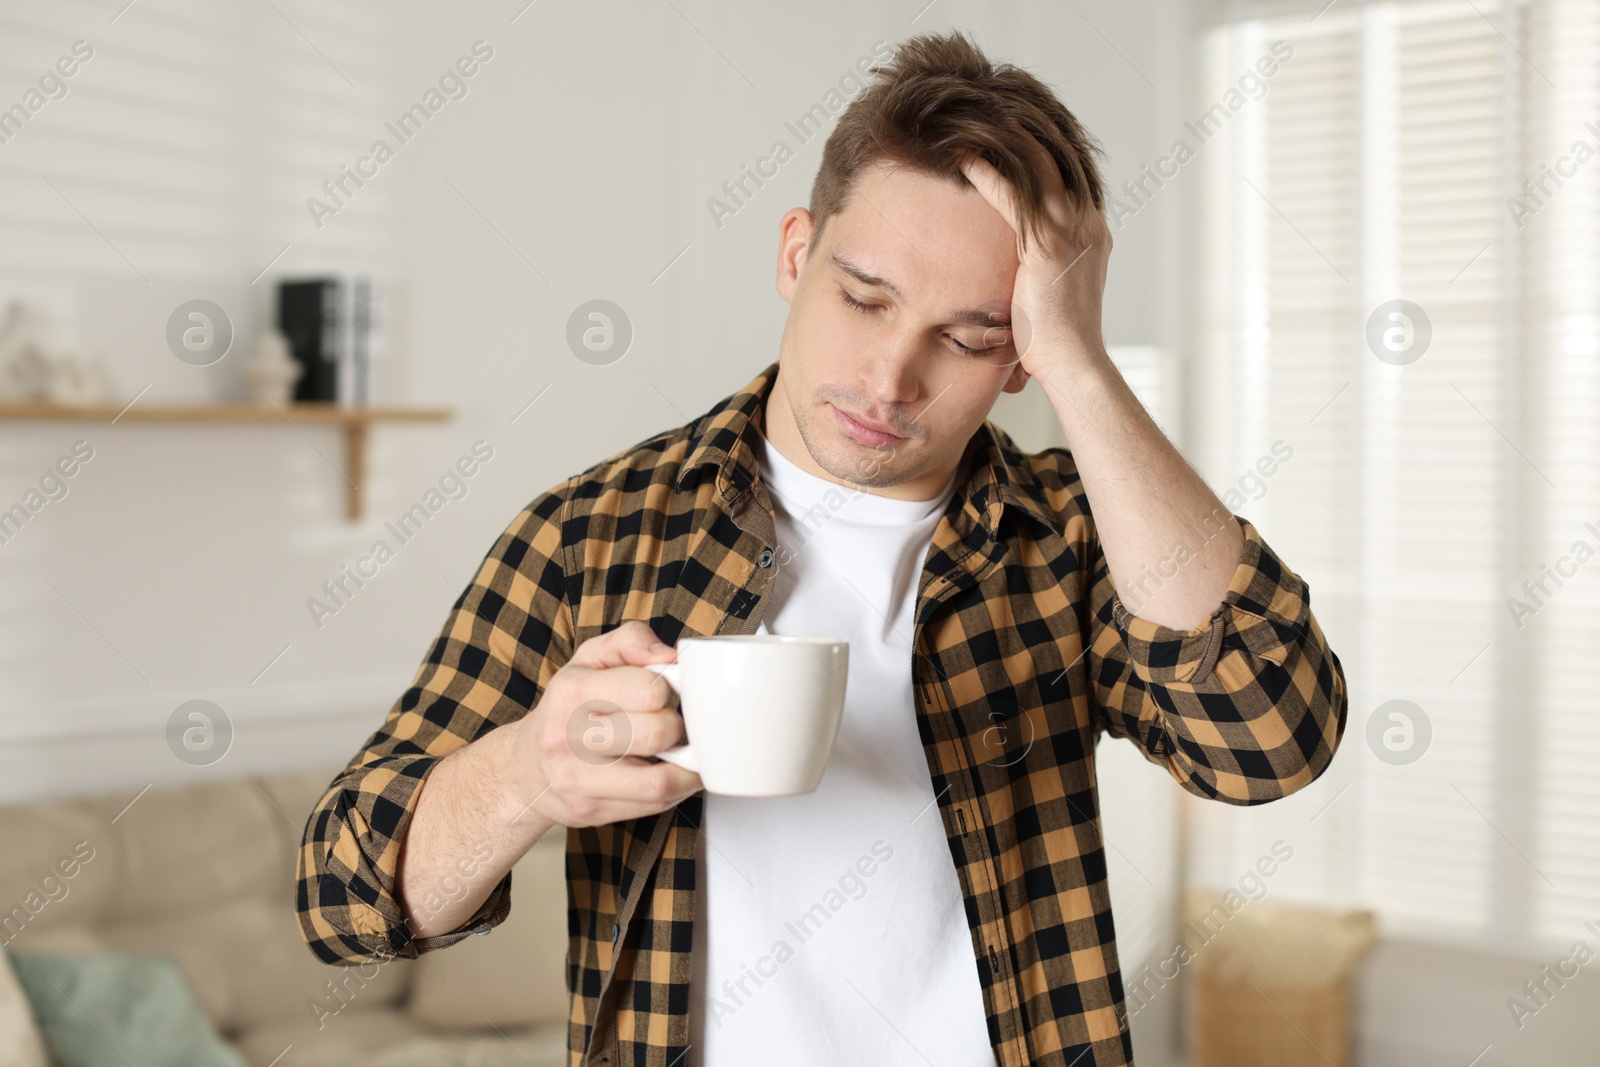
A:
(1422, 1006)
(183, 556)
(578, 166)
(176, 567)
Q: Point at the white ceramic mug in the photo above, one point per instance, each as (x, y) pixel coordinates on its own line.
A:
(761, 711)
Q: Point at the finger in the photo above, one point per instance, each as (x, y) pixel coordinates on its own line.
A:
(631, 643)
(624, 688)
(994, 188)
(641, 781)
(1061, 207)
(631, 688)
(1054, 188)
(1057, 202)
(617, 811)
(597, 736)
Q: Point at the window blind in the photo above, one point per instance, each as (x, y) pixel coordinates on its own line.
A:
(1559, 326)
(1423, 490)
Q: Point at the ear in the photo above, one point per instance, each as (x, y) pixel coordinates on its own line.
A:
(1017, 381)
(794, 241)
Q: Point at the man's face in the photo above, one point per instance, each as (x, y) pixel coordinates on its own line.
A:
(944, 263)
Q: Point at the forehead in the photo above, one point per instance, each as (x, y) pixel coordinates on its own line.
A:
(935, 240)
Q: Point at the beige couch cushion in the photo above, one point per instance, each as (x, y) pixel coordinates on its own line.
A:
(62, 941)
(58, 868)
(514, 976)
(248, 964)
(205, 874)
(357, 1038)
(181, 849)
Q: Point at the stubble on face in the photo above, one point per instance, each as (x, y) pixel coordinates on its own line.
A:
(871, 467)
(936, 248)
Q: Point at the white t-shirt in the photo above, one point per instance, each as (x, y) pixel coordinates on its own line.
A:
(829, 927)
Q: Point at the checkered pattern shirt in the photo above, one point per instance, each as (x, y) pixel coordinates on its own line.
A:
(1023, 655)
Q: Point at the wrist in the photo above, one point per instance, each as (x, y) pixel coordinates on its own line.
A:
(1081, 385)
(1065, 362)
(513, 773)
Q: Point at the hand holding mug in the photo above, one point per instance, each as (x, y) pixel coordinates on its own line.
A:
(588, 740)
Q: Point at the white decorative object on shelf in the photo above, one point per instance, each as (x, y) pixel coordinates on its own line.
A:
(272, 370)
(42, 358)
(24, 352)
(76, 381)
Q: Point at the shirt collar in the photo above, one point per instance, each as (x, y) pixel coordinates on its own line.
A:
(724, 438)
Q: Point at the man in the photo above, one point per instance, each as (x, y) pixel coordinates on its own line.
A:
(942, 895)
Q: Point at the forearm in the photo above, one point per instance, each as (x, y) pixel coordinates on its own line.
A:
(1171, 545)
(471, 825)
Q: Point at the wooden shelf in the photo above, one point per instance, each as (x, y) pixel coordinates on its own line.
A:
(355, 422)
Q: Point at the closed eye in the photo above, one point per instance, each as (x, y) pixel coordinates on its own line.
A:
(864, 307)
(853, 302)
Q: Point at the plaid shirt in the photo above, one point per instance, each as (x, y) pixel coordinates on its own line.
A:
(1023, 655)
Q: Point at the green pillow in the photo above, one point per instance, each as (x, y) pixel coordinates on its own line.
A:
(110, 1009)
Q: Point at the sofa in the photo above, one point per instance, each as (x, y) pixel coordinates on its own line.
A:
(204, 874)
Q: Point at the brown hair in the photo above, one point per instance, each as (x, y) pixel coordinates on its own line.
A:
(938, 98)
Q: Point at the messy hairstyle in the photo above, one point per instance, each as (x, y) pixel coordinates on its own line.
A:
(939, 98)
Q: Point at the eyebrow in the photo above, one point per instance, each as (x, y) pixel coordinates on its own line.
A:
(967, 317)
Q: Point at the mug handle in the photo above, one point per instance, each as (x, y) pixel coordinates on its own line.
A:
(681, 755)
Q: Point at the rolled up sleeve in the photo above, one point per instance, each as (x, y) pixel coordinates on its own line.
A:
(510, 631)
(1247, 707)
(347, 903)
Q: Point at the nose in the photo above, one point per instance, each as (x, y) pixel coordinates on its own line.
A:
(892, 377)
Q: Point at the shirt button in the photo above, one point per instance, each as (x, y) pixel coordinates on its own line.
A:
(765, 559)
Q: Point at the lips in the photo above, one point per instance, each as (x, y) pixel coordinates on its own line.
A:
(866, 432)
(870, 424)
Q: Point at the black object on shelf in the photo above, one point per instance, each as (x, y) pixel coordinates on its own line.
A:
(333, 329)
(308, 317)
